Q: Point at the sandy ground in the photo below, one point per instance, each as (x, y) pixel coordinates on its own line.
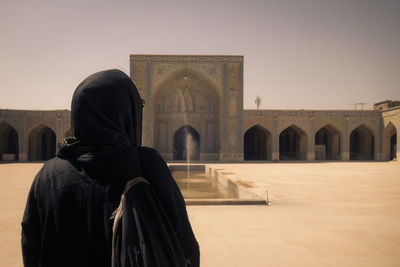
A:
(322, 214)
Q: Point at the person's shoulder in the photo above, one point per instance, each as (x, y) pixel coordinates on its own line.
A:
(55, 170)
(150, 155)
(148, 152)
(56, 166)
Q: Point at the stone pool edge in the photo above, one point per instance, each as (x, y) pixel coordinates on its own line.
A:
(225, 179)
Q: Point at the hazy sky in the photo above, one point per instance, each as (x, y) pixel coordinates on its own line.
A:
(299, 54)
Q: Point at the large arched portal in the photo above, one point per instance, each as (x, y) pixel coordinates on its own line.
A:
(390, 142)
(362, 144)
(187, 98)
(327, 144)
(186, 144)
(292, 144)
(42, 143)
(257, 144)
(8, 142)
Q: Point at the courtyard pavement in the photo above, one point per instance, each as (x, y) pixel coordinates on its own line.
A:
(321, 214)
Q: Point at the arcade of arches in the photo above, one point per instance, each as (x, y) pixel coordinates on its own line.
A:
(328, 143)
(194, 111)
(194, 139)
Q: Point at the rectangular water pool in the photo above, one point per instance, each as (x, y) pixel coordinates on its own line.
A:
(198, 188)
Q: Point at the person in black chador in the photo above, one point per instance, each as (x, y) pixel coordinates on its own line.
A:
(67, 216)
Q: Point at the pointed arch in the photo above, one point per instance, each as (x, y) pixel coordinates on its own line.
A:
(186, 143)
(362, 143)
(41, 143)
(292, 144)
(327, 143)
(257, 143)
(9, 142)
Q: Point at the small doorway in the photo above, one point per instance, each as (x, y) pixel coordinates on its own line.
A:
(186, 144)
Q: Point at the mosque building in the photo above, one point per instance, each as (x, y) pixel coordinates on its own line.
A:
(194, 110)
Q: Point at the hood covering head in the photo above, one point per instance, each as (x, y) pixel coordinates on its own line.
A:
(106, 109)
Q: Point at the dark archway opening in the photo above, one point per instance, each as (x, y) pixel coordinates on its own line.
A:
(8, 142)
(327, 144)
(362, 144)
(292, 144)
(186, 144)
(393, 146)
(256, 144)
(42, 143)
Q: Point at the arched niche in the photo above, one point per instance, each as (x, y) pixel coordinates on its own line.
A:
(390, 141)
(293, 144)
(186, 144)
(41, 143)
(9, 145)
(257, 143)
(327, 143)
(362, 144)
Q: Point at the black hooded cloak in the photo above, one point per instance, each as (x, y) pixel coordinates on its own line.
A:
(67, 216)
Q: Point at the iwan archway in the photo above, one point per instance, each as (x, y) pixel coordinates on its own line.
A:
(257, 144)
(8, 142)
(42, 143)
(292, 144)
(362, 144)
(327, 144)
(186, 144)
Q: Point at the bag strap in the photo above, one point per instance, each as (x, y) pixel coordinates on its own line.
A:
(132, 183)
(117, 214)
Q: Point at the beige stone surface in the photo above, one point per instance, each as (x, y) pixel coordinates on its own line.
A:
(322, 214)
(15, 181)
